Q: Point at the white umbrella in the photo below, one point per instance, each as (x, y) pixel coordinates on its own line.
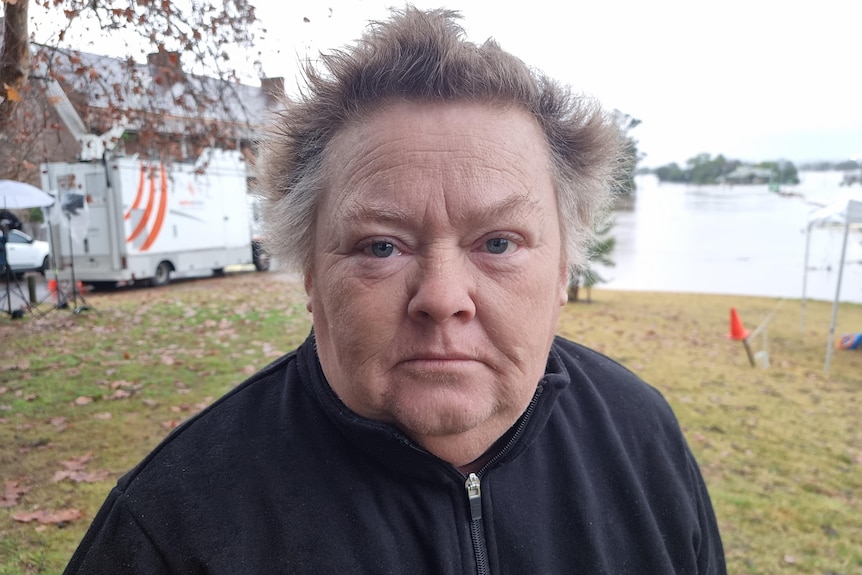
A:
(18, 196)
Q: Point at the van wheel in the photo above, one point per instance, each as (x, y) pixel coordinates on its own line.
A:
(46, 266)
(162, 276)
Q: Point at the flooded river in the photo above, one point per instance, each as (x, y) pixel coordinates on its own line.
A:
(733, 240)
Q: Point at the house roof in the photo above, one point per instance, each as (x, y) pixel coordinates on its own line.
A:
(159, 88)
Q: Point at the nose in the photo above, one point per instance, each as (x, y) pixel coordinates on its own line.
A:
(441, 290)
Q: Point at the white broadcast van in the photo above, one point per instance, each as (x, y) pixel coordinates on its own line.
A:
(125, 221)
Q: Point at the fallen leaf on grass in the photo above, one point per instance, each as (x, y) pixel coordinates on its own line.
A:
(121, 383)
(81, 476)
(42, 442)
(46, 517)
(12, 492)
(119, 394)
(75, 470)
(78, 462)
(790, 559)
(83, 400)
(103, 416)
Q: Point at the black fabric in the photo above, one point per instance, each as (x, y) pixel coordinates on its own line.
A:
(279, 476)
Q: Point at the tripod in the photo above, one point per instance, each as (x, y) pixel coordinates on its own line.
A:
(8, 275)
(76, 293)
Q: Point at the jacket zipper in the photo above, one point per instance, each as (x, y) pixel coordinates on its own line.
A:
(474, 493)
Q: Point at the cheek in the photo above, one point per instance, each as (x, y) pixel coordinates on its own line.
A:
(347, 311)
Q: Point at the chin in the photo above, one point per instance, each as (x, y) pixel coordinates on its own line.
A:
(439, 417)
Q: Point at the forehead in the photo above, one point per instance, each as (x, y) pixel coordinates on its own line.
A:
(457, 152)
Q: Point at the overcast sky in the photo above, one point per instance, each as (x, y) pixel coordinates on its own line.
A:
(752, 79)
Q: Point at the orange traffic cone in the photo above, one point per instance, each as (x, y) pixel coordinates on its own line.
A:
(737, 331)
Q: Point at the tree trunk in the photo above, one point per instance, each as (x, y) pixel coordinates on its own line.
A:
(14, 59)
(574, 285)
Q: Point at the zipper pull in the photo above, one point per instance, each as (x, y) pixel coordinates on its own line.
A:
(474, 494)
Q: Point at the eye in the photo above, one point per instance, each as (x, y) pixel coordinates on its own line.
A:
(498, 245)
(381, 249)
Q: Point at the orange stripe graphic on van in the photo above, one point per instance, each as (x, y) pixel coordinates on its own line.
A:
(160, 216)
(149, 210)
(139, 196)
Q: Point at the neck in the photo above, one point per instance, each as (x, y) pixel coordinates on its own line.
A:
(471, 450)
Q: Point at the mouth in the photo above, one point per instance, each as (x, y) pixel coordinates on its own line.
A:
(447, 362)
(454, 356)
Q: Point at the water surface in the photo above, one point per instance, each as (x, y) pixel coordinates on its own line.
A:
(733, 240)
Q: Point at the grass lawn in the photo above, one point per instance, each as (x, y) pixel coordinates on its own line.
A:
(84, 397)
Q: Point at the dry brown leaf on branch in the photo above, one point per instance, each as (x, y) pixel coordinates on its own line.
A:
(46, 517)
(12, 94)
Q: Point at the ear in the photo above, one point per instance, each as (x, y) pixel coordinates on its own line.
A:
(565, 275)
(306, 281)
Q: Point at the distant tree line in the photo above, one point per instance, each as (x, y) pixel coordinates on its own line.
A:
(843, 166)
(705, 169)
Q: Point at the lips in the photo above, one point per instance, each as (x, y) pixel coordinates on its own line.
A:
(441, 363)
(442, 357)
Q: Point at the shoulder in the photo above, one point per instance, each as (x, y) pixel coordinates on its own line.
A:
(595, 373)
(224, 432)
(602, 393)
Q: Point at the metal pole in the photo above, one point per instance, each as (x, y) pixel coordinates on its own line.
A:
(805, 276)
(830, 342)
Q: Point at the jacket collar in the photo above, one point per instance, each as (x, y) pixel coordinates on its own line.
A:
(388, 445)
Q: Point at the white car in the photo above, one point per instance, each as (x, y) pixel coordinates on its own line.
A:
(26, 254)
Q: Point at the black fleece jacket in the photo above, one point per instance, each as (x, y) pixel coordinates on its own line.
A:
(278, 476)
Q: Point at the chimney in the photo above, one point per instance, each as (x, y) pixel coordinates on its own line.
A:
(165, 64)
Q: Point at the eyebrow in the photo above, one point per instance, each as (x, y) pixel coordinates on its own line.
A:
(519, 206)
